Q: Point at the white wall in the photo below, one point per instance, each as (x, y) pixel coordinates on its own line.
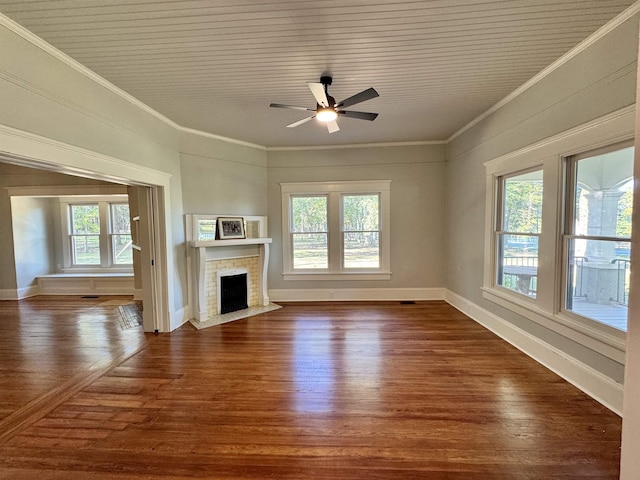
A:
(417, 208)
(598, 81)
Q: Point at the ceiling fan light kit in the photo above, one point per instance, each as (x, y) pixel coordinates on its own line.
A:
(326, 114)
(327, 110)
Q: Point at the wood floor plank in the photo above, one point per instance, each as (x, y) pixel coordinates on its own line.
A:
(334, 390)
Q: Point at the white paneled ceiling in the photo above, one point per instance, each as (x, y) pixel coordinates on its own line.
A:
(216, 65)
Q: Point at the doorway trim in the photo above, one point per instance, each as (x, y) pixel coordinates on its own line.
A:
(31, 150)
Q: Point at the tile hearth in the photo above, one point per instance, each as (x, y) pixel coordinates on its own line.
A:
(231, 316)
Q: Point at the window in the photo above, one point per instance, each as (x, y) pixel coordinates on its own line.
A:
(309, 233)
(361, 231)
(99, 234)
(519, 225)
(85, 234)
(557, 232)
(120, 231)
(597, 235)
(336, 230)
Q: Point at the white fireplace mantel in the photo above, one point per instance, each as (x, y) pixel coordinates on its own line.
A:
(230, 243)
(225, 249)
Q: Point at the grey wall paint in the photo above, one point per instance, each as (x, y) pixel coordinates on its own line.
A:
(8, 279)
(221, 177)
(18, 176)
(41, 95)
(598, 81)
(417, 207)
(32, 220)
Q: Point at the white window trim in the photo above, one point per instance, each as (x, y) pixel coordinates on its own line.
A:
(334, 191)
(106, 253)
(546, 308)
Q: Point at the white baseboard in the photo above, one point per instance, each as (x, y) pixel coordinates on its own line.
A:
(25, 292)
(598, 386)
(354, 294)
(138, 294)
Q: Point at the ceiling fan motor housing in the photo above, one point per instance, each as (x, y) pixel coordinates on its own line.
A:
(326, 80)
(331, 100)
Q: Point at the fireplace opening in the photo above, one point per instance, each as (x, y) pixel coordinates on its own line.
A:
(233, 293)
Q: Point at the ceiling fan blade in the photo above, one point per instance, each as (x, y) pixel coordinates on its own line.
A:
(359, 115)
(363, 96)
(300, 122)
(318, 91)
(332, 126)
(280, 105)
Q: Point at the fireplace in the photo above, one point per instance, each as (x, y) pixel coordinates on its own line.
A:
(233, 290)
(211, 259)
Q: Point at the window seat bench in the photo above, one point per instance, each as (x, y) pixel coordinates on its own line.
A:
(116, 283)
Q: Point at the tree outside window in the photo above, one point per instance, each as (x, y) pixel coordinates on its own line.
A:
(361, 231)
(519, 229)
(121, 234)
(85, 234)
(336, 230)
(309, 232)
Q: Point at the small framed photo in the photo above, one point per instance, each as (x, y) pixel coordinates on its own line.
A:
(230, 227)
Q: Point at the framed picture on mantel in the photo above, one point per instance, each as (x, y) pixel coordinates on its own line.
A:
(230, 227)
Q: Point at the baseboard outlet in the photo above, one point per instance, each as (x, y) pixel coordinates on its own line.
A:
(86, 284)
(355, 294)
(595, 384)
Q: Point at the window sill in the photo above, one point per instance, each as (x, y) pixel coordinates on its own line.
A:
(95, 271)
(289, 276)
(76, 274)
(605, 340)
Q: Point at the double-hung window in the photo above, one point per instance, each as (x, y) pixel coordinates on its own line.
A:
(597, 236)
(98, 234)
(309, 232)
(558, 232)
(85, 234)
(120, 234)
(336, 230)
(519, 225)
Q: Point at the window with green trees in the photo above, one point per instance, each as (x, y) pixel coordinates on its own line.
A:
(518, 230)
(309, 233)
(336, 228)
(99, 234)
(361, 231)
(85, 234)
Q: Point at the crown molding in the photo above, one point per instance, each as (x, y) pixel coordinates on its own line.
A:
(356, 145)
(87, 72)
(67, 60)
(574, 52)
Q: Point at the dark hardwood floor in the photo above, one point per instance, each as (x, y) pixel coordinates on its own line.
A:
(310, 391)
